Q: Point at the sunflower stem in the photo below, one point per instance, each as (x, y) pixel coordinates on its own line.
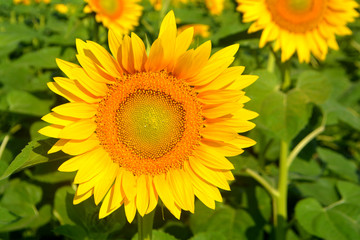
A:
(281, 211)
(7, 138)
(271, 62)
(303, 143)
(145, 225)
(272, 191)
(286, 76)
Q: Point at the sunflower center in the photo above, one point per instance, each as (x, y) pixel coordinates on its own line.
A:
(149, 122)
(111, 7)
(297, 16)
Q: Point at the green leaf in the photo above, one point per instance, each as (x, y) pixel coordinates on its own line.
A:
(338, 221)
(60, 211)
(86, 215)
(305, 169)
(209, 236)
(284, 115)
(233, 224)
(266, 84)
(34, 153)
(25, 103)
(20, 199)
(71, 231)
(337, 112)
(157, 235)
(12, 34)
(6, 216)
(322, 189)
(43, 58)
(314, 86)
(338, 164)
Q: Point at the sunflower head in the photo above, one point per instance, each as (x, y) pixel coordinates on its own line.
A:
(121, 15)
(146, 126)
(301, 26)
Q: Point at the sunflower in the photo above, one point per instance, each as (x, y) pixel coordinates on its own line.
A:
(215, 6)
(305, 27)
(121, 15)
(144, 127)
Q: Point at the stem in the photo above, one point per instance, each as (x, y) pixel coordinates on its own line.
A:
(271, 62)
(3, 144)
(7, 138)
(283, 189)
(303, 143)
(145, 225)
(272, 191)
(286, 77)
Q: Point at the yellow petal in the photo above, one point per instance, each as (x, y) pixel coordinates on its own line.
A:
(106, 209)
(212, 158)
(58, 119)
(142, 195)
(97, 161)
(118, 195)
(115, 40)
(139, 53)
(182, 189)
(153, 197)
(76, 110)
(214, 177)
(106, 179)
(225, 149)
(222, 110)
(79, 198)
(74, 87)
(129, 184)
(167, 35)
(79, 130)
(76, 147)
(155, 61)
(130, 209)
(57, 146)
(51, 131)
(105, 59)
(165, 193)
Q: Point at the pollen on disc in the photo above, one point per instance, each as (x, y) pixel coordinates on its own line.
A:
(150, 123)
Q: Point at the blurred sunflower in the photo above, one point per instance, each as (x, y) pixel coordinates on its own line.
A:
(121, 15)
(215, 6)
(199, 29)
(302, 26)
(144, 127)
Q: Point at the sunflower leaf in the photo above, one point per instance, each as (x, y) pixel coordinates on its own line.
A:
(340, 220)
(34, 153)
(284, 114)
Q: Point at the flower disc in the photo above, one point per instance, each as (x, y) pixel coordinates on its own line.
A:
(156, 120)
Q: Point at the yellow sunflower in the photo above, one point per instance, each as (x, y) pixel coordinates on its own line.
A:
(148, 126)
(302, 26)
(121, 15)
(215, 6)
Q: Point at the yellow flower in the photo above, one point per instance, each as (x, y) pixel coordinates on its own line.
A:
(199, 29)
(61, 8)
(215, 6)
(157, 4)
(121, 15)
(302, 26)
(143, 127)
(17, 1)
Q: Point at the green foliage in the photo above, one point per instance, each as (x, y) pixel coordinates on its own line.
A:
(36, 200)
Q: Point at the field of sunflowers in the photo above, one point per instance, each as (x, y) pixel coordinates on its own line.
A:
(180, 119)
